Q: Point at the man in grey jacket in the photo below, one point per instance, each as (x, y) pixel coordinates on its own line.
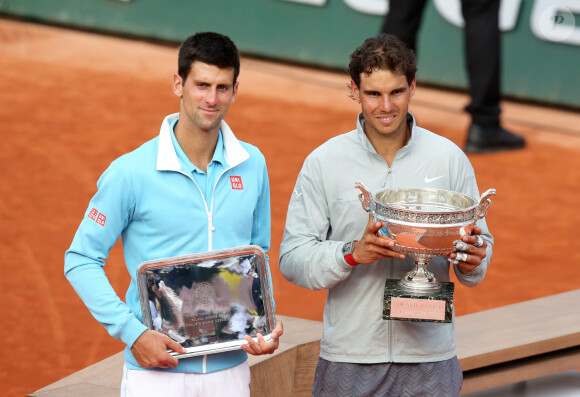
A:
(361, 354)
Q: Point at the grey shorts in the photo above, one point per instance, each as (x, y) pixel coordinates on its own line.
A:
(434, 379)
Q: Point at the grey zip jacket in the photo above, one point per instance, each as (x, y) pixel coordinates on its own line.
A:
(325, 212)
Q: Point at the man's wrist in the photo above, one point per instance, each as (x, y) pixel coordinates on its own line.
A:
(348, 251)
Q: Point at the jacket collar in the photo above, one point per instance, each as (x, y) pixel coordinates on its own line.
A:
(366, 143)
(167, 159)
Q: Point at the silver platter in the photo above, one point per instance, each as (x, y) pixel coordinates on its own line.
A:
(207, 302)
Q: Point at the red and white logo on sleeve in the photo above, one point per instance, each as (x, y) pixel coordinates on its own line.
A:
(97, 217)
(237, 182)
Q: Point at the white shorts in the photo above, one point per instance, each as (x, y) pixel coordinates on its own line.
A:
(150, 383)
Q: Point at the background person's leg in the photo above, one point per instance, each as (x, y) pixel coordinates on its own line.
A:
(482, 41)
(403, 20)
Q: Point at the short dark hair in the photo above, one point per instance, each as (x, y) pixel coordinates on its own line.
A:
(384, 51)
(211, 48)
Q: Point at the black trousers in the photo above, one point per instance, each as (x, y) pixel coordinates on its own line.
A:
(482, 48)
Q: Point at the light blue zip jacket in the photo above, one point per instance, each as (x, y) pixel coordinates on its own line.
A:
(149, 198)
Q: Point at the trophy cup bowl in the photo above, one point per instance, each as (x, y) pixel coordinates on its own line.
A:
(424, 223)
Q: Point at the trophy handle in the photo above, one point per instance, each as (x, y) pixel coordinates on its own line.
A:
(365, 197)
(484, 204)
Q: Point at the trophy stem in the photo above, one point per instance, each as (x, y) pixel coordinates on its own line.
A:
(420, 279)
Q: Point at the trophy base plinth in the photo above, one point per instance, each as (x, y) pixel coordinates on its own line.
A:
(409, 305)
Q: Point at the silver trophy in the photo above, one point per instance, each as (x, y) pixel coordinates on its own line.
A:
(424, 223)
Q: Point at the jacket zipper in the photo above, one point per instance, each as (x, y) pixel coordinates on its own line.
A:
(210, 228)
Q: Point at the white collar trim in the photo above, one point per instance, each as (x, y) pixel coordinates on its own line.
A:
(167, 159)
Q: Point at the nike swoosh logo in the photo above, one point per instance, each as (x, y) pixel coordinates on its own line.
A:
(429, 180)
(297, 193)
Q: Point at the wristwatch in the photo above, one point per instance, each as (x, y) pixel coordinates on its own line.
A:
(347, 250)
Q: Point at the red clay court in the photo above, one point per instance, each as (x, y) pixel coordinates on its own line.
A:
(72, 102)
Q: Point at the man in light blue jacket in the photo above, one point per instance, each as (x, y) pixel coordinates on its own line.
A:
(330, 243)
(194, 188)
